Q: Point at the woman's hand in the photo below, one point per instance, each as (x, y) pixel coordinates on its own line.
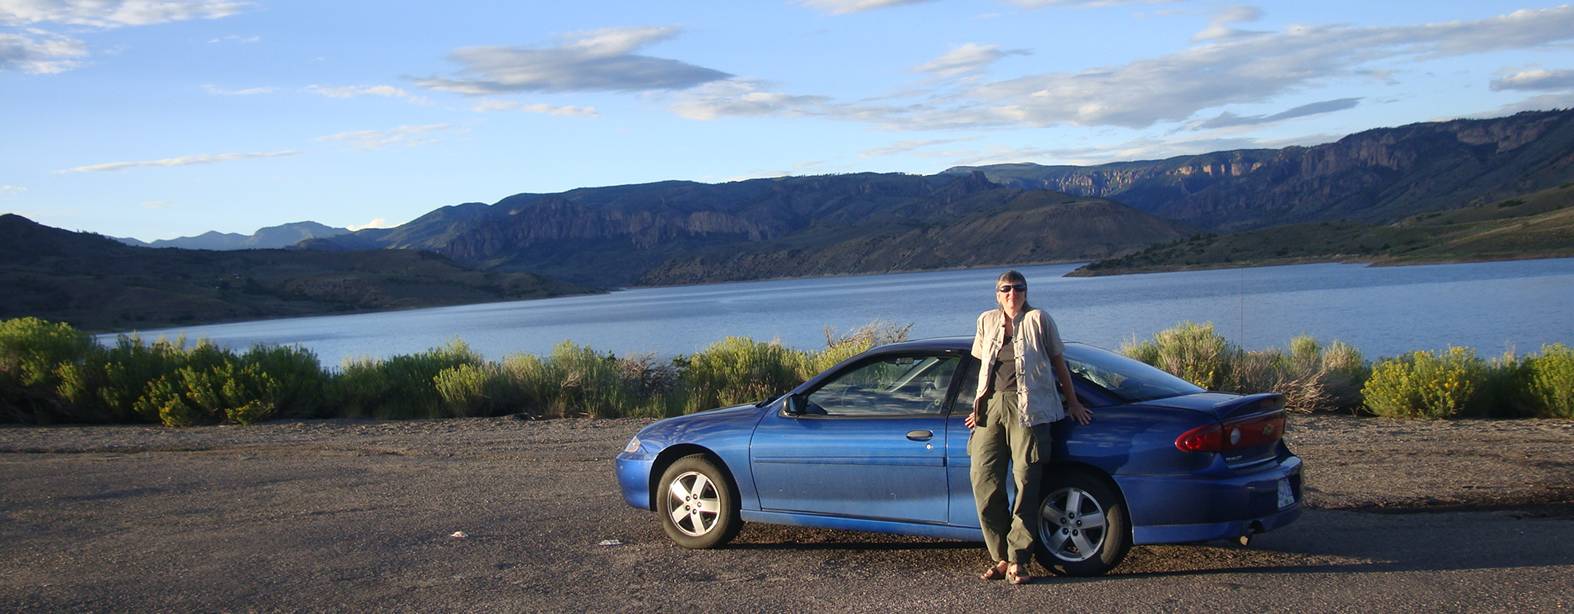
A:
(1078, 412)
(972, 419)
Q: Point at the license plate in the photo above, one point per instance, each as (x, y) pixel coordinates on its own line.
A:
(1286, 496)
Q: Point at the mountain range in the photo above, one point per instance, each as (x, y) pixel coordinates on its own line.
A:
(1375, 176)
(685, 232)
(1461, 189)
(97, 283)
(271, 237)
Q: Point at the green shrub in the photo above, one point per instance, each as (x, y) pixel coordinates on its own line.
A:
(398, 387)
(529, 384)
(591, 383)
(31, 353)
(163, 401)
(739, 370)
(1423, 384)
(469, 389)
(301, 384)
(1344, 372)
(126, 371)
(1551, 381)
(1193, 352)
(1503, 389)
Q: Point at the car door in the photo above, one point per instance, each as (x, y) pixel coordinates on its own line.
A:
(867, 442)
(963, 511)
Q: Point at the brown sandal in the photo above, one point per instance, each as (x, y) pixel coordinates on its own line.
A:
(993, 573)
(1018, 574)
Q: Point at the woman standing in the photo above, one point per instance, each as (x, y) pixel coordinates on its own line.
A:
(1021, 367)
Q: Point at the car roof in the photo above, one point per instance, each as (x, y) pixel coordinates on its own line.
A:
(931, 344)
(937, 344)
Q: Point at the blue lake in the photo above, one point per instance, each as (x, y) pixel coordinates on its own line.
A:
(1384, 311)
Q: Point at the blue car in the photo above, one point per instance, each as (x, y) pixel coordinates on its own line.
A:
(877, 443)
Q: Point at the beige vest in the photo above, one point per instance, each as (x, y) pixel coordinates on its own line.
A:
(1036, 340)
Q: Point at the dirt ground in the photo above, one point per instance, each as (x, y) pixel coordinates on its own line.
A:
(358, 515)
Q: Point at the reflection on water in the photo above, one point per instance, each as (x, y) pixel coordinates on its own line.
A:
(1383, 311)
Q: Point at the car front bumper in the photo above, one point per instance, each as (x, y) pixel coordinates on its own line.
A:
(633, 471)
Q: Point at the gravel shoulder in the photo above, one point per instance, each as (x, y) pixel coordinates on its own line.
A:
(343, 514)
(1352, 463)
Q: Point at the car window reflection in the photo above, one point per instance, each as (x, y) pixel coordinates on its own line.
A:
(890, 386)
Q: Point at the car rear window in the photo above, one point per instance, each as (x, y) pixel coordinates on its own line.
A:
(1127, 380)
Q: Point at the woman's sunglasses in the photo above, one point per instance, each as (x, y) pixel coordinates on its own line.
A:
(1007, 288)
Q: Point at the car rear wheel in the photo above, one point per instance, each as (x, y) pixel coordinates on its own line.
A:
(1082, 525)
(698, 506)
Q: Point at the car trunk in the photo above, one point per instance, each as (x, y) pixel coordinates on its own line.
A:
(1248, 428)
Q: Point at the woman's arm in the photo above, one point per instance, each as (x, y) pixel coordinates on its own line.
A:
(1074, 406)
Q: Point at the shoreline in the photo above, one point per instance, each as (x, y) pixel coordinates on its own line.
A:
(1272, 262)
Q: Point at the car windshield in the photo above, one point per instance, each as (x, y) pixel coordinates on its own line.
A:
(1129, 381)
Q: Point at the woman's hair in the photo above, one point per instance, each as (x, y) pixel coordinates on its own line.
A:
(1014, 277)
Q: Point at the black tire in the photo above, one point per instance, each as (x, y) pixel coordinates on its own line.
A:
(707, 518)
(1066, 541)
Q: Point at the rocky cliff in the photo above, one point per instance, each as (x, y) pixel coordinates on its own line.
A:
(679, 231)
(1375, 176)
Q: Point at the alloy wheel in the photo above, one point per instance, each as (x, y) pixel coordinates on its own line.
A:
(694, 504)
(1071, 524)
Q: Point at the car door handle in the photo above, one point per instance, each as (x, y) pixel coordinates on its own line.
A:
(920, 435)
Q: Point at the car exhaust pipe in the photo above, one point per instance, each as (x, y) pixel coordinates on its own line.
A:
(1251, 529)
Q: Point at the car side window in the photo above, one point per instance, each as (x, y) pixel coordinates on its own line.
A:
(968, 387)
(888, 386)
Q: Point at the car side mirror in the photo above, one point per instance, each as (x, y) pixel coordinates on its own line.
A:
(794, 405)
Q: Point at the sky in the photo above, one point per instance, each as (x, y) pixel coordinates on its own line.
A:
(163, 118)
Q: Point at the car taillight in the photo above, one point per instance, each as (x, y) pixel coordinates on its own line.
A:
(1208, 438)
(1248, 433)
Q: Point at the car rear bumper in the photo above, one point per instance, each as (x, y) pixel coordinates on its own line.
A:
(1172, 510)
(634, 480)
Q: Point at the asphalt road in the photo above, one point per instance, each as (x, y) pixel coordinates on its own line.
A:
(361, 517)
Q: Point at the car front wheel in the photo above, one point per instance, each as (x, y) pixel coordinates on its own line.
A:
(1082, 525)
(698, 506)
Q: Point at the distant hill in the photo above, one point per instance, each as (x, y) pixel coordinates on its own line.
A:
(681, 231)
(1536, 225)
(1001, 226)
(1376, 176)
(272, 237)
(97, 283)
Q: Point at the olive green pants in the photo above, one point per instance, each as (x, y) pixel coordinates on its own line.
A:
(998, 441)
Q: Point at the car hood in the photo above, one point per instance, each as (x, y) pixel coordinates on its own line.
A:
(693, 427)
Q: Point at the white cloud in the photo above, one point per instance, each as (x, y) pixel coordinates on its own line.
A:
(1535, 79)
(237, 39)
(41, 53)
(1146, 148)
(546, 109)
(1033, 4)
(1230, 120)
(178, 161)
(114, 13)
(1243, 68)
(378, 139)
(1219, 27)
(355, 91)
(901, 147)
(376, 222)
(738, 97)
(246, 91)
(1540, 102)
(8, 190)
(597, 60)
(842, 7)
(966, 59)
